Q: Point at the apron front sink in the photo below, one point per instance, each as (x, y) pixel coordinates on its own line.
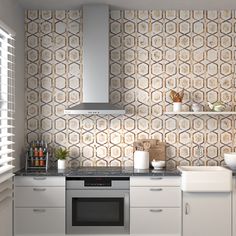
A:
(205, 179)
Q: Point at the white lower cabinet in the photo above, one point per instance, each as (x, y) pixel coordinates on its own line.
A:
(6, 217)
(40, 197)
(39, 205)
(206, 214)
(33, 221)
(155, 196)
(155, 206)
(156, 221)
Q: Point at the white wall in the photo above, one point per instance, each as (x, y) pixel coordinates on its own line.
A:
(13, 16)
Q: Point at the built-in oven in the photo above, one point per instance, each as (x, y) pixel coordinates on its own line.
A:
(97, 205)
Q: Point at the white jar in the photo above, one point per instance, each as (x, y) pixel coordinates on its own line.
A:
(177, 106)
(141, 160)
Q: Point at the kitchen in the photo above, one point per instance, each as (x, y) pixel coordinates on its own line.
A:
(154, 48)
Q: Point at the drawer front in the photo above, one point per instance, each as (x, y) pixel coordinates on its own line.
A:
(155, 197)
(33, 221)
(40, 196)
(139, 181)
(39, 181)
(155, 221)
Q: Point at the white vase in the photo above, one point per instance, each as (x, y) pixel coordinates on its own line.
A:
(177, 106)
(61, 164)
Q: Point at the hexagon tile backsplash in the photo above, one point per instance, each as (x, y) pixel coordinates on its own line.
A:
(151, 52)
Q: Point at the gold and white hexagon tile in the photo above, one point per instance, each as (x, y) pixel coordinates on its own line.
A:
(151, 52)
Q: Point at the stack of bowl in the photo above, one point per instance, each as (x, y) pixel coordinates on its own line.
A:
(158, 165)
(230, 160)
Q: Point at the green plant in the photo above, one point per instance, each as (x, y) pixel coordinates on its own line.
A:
(61, 153)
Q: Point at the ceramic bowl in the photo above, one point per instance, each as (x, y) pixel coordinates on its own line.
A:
(158, 164)
(230, 160)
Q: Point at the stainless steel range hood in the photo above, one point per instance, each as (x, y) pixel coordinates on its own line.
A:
(95, 88)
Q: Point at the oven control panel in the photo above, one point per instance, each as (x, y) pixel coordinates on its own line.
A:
(93, 182)
(97, 181)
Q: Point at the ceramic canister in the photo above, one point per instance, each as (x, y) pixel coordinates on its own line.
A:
(177, 106)
(141, 160)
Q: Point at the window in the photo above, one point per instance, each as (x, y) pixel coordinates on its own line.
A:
(7, 101)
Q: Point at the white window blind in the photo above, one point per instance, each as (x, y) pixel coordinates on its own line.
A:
(7, 104)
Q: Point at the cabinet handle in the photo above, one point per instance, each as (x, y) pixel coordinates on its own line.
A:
(39, 189)
(156, 178)
(156, 189)
(187, 207)
(39, 210)
(40, 178)
(156, 210)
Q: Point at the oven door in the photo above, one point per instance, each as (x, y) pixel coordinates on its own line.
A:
(97, 212)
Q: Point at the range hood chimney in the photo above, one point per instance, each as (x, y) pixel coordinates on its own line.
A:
(95, 90)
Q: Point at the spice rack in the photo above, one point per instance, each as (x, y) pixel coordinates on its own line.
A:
(37, 156)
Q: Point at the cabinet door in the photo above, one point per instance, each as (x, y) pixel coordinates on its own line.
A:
(39, 221)
(40, 181)
(40, 197)
(207, 214)
(155, 221)
(155, 197)
(6, 217)
(154, 181)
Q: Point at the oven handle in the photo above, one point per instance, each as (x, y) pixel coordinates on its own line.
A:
(126, 212)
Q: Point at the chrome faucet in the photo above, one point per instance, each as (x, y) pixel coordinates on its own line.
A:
(199, 154)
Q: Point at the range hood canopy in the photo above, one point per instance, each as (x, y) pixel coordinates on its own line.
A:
(95, 64)
(94, 108)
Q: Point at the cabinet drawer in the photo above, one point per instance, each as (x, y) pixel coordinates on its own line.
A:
(156, 221)
(155, 181)
(39, 181)
(33, 221)
(40, 196)
(155, 197)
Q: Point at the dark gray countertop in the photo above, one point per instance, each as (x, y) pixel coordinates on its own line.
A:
(99, 171)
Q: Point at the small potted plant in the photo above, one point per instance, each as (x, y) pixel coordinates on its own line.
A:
(61, 154)
(177, 99)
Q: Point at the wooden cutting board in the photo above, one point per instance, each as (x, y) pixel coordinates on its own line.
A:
(156, 149)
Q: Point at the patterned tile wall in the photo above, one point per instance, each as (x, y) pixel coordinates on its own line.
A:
(151, 52)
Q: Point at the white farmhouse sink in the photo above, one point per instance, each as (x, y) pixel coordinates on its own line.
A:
(205, 179)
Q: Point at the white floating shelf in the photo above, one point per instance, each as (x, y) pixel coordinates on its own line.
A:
(200, 113)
